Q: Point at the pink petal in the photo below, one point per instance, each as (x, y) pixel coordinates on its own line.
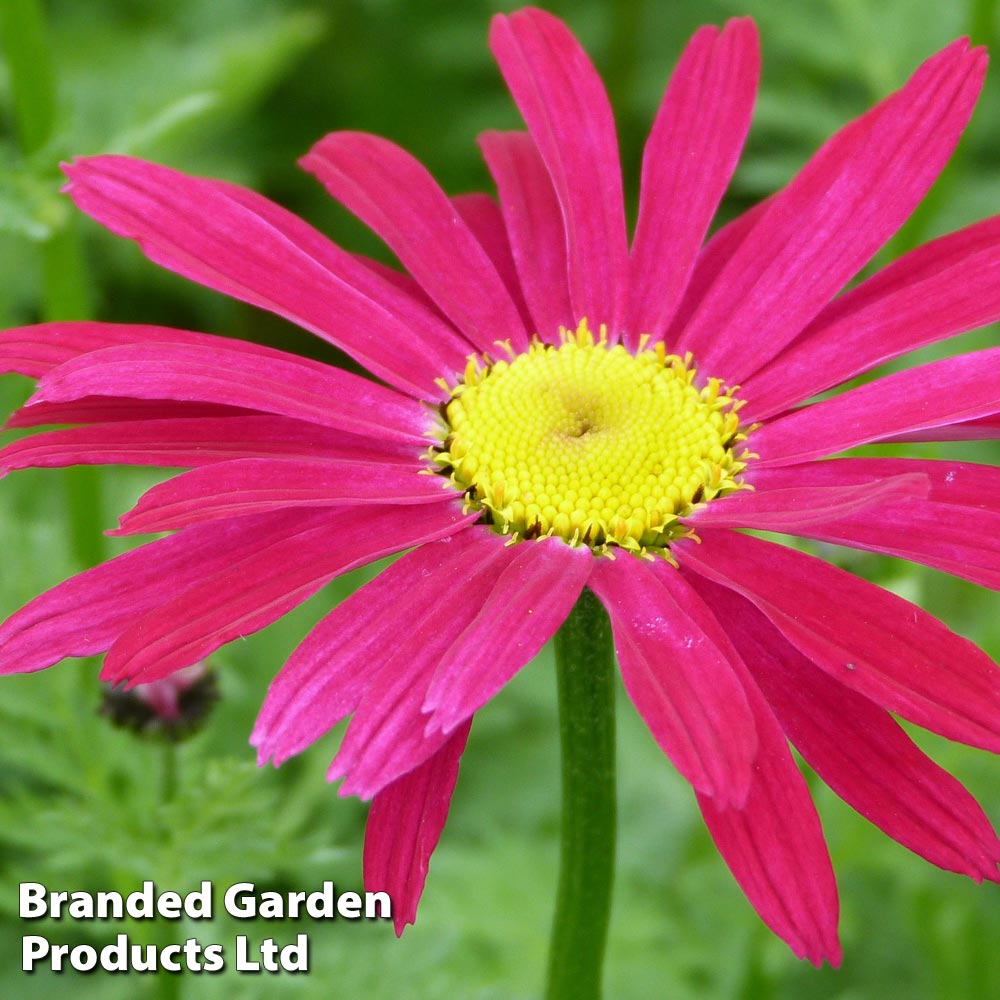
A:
(832, 218)
(187, 442)
(254, 485)
(404, 825)
(963, 541)
(35, 350)
(789, 503)
(860, 752)
(567, 112)
(957, 528)
(485, 221)
(677, 665)
(710, 263)
(936, 291)
(401, 280)
(263, 380)
(239, 243)
(774, 844)
(85, 614)
(928, 396)
(964, 484)
(265, 581)
(101, 409)
(978, 429)
(690, 156)
(925, 261)
(529, 601)
(360, 643)
(534, 223)
(867, 638)
(388, 735)
(395, 195)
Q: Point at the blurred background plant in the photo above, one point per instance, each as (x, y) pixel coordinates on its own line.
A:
(238, 89)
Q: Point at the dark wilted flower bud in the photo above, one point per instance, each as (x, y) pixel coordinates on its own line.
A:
(171, 708)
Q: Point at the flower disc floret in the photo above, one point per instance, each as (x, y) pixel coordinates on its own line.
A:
(590, 442)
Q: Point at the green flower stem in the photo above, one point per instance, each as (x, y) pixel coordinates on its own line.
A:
(30, 69)
(982, 21)
(980, 26)
(66, 296)
(585, 675)
(66, 282)
(168, 985)
(24, 38)
(620, 66)
(168, 772)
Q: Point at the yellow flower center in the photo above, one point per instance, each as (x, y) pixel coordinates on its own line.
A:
(589, 442)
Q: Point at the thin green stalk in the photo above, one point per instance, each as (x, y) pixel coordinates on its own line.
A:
(30, 68)
(67, 296)
(982, 21)
(585, 675)
(168, 772)
(980, 26)
(26, 48)
(168, 985)
(65, 285)
(619, 71)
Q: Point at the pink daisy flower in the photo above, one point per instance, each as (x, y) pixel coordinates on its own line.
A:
(556, 410)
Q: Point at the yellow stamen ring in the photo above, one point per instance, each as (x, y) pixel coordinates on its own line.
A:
(590, 442)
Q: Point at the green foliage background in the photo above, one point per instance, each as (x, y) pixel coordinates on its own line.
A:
(238, 89)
